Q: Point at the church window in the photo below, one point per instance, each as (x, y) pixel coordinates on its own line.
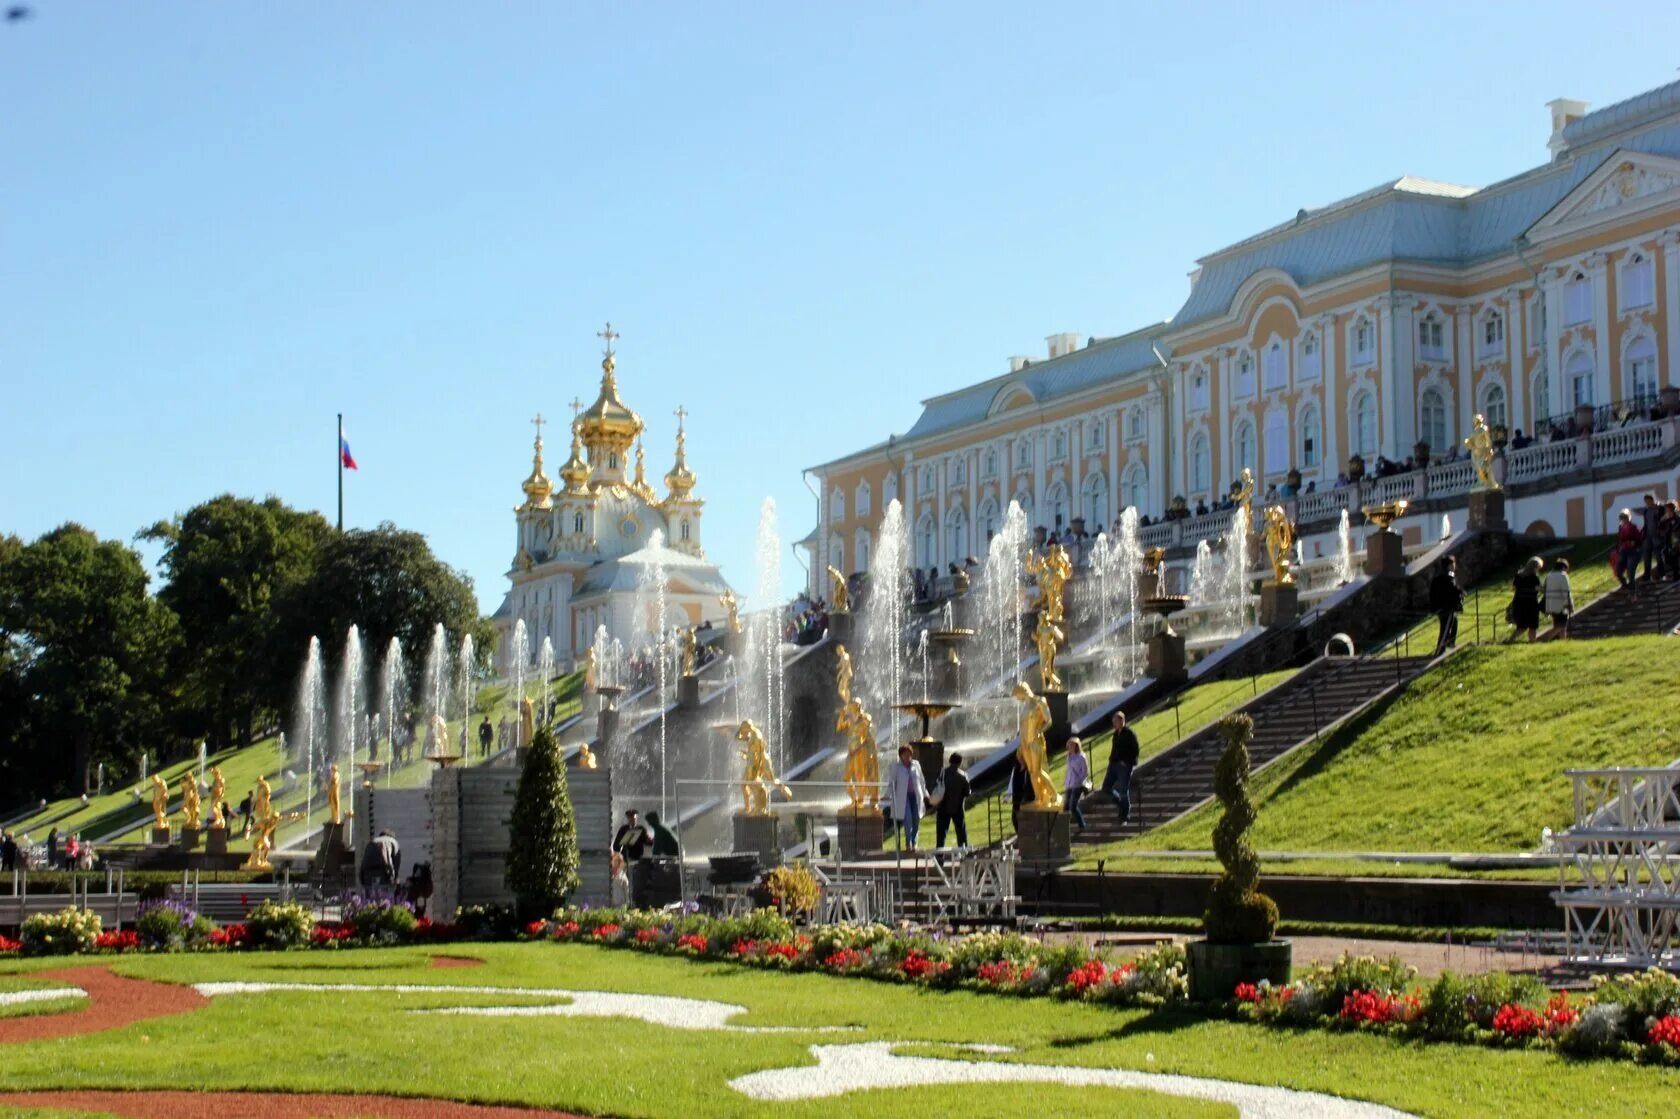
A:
(1577, 300)
(686, 532)
(1277, 371)
(577, 524)
(1637, 288)
(612, 461)
(1431, 338)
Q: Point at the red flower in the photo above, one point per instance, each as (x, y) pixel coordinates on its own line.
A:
(1559, 1014)
(646, 936)
(436, 932)
(1515, 1021)
(1004, 973)
(1378, 1008)
(120, 940)
(918, 966)
(8, 945)
(693, 942)
(602, 932)
(744, 948)
(535, 928)
(1248, 992)
(567, 930)
(781, 951)
(229, 936)
(1087, 975)
(844, 959)
(1665, 1031)
(329, 934)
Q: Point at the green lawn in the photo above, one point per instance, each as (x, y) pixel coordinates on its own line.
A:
(1189, 711)
(1471, 758)
(349, 1042)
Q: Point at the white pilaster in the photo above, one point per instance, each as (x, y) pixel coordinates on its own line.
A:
(1397, 323)
(1670, 374)
(1115, 504)
(1552, 352)
(940, 544)
(973, 530)
(1604, 390)
(1041, 452)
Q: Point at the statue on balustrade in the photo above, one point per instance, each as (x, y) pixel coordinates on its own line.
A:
(1280, 545)
(839, 594)
(1480, 445)
(1048, 639)
(733, 605)
(218, 793)
(1053, 571)
(690, 650)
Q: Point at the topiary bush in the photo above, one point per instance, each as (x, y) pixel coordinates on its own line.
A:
(542, 858)
(274, 924)
(1237, 913)
(63, 933)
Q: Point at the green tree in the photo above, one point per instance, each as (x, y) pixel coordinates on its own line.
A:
(85, 654)
(229, 563)
(542, 859)
(1237, 912)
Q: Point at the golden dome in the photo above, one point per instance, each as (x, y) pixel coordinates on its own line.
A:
(680, 480)
(537, 487)
(609, 423)
(576, 471)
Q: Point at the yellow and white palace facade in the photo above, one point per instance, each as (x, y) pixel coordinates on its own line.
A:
(1369, 327)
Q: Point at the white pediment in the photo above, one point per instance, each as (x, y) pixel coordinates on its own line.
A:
(1626, 184)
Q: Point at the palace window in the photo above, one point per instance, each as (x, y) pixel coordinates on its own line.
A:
(889, 488)
(1277, 442)
(1096, 503)
(861, 551)
(1201, 469)
(959, 471)
(1364, 424)
(1641, 365)
(1309, 436)
(987, 520)
(1277, 370)
(1541, 395)
(1577, 300)
(1431, 338)
(956, 535)
(1309, 357)
(1057, 506)
(1364, 341)
(1578, 375)
(1134, 425)
(1094, 438)
(925, 541)
(1023, 452)
(1493, 333)
(1432, 420)
(1638, 287)
(1136, 482)
(837, 505)
(1060, 445)
(1199, 391)
(1245, 376)
(1242, 447)
(1494, 409)
(927, 479)
(1537, 321)
(991, 464)
(863, 498)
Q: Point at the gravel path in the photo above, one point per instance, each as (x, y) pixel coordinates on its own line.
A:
(112, 1002)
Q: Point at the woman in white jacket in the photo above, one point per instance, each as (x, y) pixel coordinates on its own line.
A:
(1559, 599)
(1078, 780)
(907, 795)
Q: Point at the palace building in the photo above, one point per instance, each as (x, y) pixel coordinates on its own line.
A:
(1376, 326)
(583, 548)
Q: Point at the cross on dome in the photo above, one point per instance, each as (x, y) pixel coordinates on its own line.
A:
(610, 335)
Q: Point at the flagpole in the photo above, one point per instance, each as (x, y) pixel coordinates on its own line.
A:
(338, 452)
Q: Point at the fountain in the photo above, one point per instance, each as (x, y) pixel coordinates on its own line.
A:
(1446, 526)
(347, 714)
(1385, 556)
(1344, 551)
(1164, 658)
(545, 673)
(650, 600)
(519, 651)
(309, 725)
(435, 694)
(881, 660)
(467, 674)
(393, 690)
(763, 673)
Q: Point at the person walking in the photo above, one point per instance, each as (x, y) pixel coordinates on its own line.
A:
(8, 853)
(1122, 759)
(907, 792)
(52, 849)
(1078, 781)
(485, 734)
(953, 802)
(1560, 599)
(1525, 599)
(1446, 602)
(1650, 515)
(1627, 549)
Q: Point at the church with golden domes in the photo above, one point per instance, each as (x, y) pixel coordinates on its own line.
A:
(584, 547)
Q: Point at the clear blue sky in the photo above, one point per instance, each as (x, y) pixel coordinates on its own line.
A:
(222, 223)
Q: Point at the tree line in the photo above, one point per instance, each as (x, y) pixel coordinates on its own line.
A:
(96, 668)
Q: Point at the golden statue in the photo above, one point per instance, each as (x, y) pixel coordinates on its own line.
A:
(759, 777)
(1152, 560)
(160, 803)
(334, 810)
(262, 813)
(1244, 496)
(589, 668)
(527, 721)
(191, 812)
(1033, 753)
(1053, 570)
(843, 674)
(218, 793)
(690, 650)
(439, 734)
(863, 762)
(1480, 446)
(1048, 637)
(1280, 545)
(840, 595)
(585, 756)
(732, 604)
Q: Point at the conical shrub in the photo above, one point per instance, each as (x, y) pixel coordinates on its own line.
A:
(1237, 912)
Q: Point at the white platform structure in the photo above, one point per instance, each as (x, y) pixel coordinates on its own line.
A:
(1620, 888)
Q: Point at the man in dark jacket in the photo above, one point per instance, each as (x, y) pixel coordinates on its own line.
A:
(1122, 759)
(381, 863)
(632, 838)
(665, 845)
(953, 801)
(1446, 601)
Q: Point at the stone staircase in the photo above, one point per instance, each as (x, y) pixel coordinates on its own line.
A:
(1647, 608)
(1178, 779)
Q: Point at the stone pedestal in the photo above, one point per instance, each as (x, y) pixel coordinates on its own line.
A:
(215, 841)
(930, 755)
(1279, 604)
(758, 835)
(189, 838)
(1043, 836)
(1164, 660)
(160, 836)
(861, 835)
(840, 627)
(1487, 511)
(688, 691)
(606, 730)
(1060, 728)
(1385, 558)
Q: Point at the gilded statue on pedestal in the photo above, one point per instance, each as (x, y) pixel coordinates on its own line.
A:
(160, 803)
(840, 595)
(1032, 752)
(588, 668)
(218, 793)
(843, 674)
(585, 756)
(266, 820)
(191, 812)
(690, 650)
(1243, 496)
(733, 605)
(1280, 545)
(863, 763)
(1053, 570)
(527, 721)
(334, 810)
(1048, 638)
(759, 777)
(1152, 560)
(1480, 445)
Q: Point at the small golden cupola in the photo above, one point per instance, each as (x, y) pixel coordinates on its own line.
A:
(680, 480)
(537, 487)
(609, 428)
(575, 473)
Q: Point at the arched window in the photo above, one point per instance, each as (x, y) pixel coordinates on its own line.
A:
(959, 470)
(1199, 390)
(1432, 341)
(860, 552)
(1364, 424)
(1541, 395)
(889, 488)
(1492, 333)
(1638, 288)
(1277, 441)
(927, 479)
(1277, 370)
(1242, 449)
(1494, 409)
(1025, 501)
(1309, 437)
(1094, 434)
(686, 534)
(836, 505)
(987, 519)
(1056, 505)
(991, 464)
(1639, 364)
(1136, 481)
(1578, 375)
(956, 534)
(1134, 424)
(1201, 469)
(1309, 357)
(863, 498)
(1023, 452)
(1577, 300)
(837, 556)
(577, 523)
(1364, 341)
(925, 541)
(1060, 445)
(1432, 420)
(1095, 505)
(1245, 376)
(612, 461)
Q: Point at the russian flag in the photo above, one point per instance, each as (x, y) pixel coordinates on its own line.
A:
(344, 455)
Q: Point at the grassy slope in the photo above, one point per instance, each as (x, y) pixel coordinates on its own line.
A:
(348, 1042)
(1470, 758)
(1195, 708)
